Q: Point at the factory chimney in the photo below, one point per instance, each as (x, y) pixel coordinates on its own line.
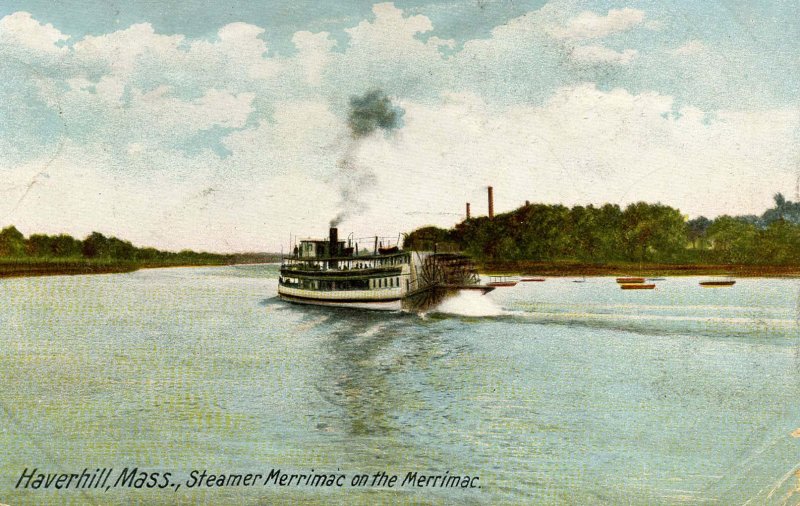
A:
(491, 203)
(467, 210)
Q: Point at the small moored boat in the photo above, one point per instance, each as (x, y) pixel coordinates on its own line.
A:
(529, 280)
(716, 284)
(629, 280)
(637, 286)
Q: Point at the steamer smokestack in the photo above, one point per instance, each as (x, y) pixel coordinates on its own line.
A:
(333, 242)
(467, 210)
(491, 203)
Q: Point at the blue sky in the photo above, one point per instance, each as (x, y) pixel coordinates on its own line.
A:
(458, 20)
(222, 126)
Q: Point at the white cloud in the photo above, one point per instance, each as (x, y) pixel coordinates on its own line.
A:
(158, 109)
(388, 50)
(303, 136)
(496, 112)
(583, 146)
(119, 52)
(391, 35)
(199, 203)
(654, 25)
(600, 54)
(389, 26)
(20, 29)
(314, 54)
(152, 117)
(240, 52)
(589, 25)
(690, 48)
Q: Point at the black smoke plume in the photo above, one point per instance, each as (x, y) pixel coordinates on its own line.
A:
(369, 112)
(372, 111)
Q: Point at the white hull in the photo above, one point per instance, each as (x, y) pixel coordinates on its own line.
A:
(326, 273)
(380, 300)
(395, 305)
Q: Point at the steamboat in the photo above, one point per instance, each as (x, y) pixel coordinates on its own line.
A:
(339, 273)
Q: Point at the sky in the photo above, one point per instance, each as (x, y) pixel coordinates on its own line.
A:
(223, 126)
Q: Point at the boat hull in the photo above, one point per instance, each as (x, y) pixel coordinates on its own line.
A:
(629, 281)
(638, 286)
(381, 300)
(372, 305)
(717, 284)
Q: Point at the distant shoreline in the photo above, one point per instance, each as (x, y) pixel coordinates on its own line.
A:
(74, 267)
(558, 269)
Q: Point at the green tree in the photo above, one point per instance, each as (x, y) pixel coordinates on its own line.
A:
(783, 210)
(653, 232)
(697, 229)
(778, 244)
(545, 232)
(12, 242)
(95, 246)
(587, 233)
(38, 245)
(733, 240)
(425, 238)
(63, 245)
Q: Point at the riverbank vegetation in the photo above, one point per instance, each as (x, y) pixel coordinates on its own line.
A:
(642, 237)
(39, 255)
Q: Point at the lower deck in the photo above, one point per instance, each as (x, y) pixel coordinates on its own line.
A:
(389, 299)
(375, 305)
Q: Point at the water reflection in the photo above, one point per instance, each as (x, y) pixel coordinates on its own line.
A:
(375, 368)
(362, 354)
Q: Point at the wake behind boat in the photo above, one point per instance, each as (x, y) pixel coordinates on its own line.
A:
(328, 273)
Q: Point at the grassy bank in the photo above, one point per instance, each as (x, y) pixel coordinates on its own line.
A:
(20, 267)
(636, 269)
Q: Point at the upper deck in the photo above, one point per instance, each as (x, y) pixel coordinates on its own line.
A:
(333, 257)
(346, 266)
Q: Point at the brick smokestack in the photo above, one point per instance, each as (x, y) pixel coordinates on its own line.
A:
(491, 202)
(467, 210)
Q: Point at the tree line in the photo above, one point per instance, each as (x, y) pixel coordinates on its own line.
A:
(641, 232)
(96, 246)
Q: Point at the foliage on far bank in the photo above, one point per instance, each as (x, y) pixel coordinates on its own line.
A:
(101, 250)
(641, 232)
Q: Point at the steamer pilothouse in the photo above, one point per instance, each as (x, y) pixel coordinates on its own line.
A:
(330, 273)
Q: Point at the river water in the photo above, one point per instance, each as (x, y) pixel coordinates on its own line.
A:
(550, 393)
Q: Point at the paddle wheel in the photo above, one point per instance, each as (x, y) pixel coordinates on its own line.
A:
(438, 276)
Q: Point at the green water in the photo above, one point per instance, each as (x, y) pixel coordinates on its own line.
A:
(567, 393)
